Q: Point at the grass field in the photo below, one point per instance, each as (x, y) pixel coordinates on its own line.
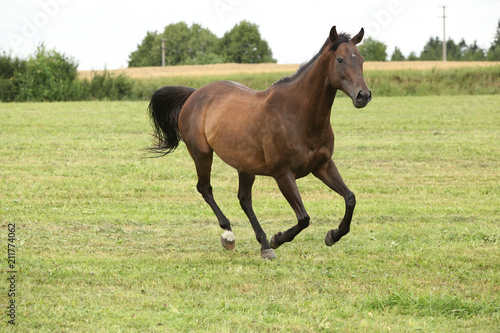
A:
(107, 241)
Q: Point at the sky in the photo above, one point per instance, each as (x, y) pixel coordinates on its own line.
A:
(102, 34)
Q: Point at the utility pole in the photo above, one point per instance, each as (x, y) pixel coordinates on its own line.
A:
(163, 52)
(444, 33)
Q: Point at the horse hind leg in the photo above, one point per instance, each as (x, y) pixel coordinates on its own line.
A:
(203, 163)
(227, 238)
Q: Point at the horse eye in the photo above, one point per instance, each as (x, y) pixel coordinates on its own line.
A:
(340, 60)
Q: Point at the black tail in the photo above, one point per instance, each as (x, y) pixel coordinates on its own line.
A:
(164, 109)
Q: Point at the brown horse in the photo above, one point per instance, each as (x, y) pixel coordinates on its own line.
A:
(283, 132)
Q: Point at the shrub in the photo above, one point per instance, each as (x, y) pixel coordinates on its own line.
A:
(47, 76)
(103, 86)
(51, 76)
(9, 66)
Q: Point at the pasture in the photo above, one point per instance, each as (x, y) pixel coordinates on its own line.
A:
(109, 241)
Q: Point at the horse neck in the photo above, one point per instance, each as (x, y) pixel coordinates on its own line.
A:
(313, 96)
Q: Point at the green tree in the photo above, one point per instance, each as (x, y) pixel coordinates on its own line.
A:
(453, 51)
(243, 44)
(494, 51)
(462, 47)
(433, 50)
(474, 53)
(9, 67)
(373, 50)
(143, 55)
(397, 55)
(412, 56)
(183, 44)
(186, 45)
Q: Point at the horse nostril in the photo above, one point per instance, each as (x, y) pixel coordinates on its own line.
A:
(364, 96)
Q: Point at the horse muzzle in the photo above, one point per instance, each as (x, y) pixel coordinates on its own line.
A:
(362, 98)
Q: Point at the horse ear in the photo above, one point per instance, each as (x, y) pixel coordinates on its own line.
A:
(359, 37)
(333, 34)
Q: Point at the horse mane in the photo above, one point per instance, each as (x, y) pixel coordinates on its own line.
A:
(342, 38)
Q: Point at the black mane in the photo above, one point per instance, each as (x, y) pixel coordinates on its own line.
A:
(342, 38)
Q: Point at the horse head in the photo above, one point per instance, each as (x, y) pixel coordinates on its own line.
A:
(346, 67)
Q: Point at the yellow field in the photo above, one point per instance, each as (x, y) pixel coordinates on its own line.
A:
(198, 70)
(228, 69)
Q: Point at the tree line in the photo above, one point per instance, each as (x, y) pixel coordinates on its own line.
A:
(195, 45)
(374, 50)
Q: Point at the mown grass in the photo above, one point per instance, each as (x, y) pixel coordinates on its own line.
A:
(108, 241)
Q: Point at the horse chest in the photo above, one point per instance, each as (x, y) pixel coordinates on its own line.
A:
(310, 160)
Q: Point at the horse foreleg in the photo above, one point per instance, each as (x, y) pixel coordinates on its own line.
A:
(329, 174)
(245, 196)
(288, 188)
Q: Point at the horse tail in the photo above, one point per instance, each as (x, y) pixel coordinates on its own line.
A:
(164, 109)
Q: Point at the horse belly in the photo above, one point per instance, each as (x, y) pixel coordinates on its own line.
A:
(232, 131)
(239, 149)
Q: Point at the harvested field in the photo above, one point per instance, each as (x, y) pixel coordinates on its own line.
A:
(229, 69)
(198, 70)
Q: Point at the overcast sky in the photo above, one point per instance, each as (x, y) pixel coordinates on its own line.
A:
(103, 33)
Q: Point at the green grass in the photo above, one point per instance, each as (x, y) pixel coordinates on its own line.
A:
(110, 242)
(435, 82)
(390, 83)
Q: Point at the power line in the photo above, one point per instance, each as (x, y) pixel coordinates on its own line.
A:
(163, 52)
(444, 33)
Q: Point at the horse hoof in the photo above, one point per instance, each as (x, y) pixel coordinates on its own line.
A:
(273, 243)
(227, 240)
(268, 254)
(329, 238)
